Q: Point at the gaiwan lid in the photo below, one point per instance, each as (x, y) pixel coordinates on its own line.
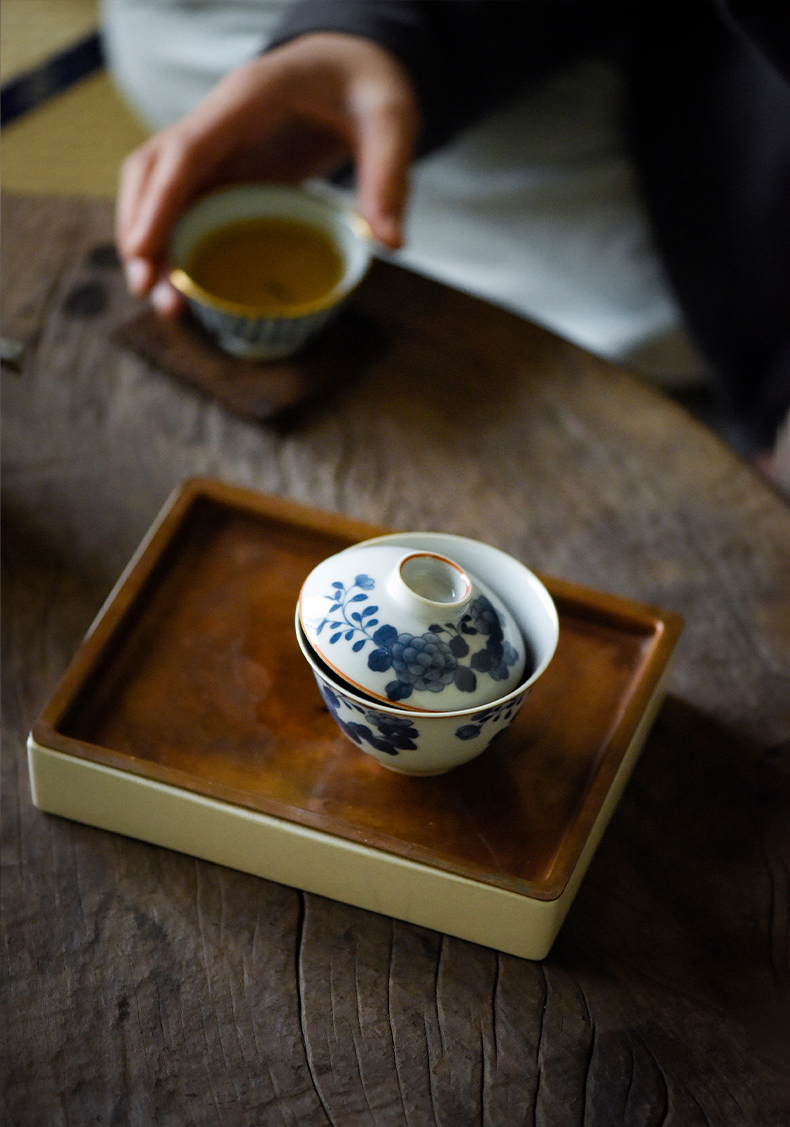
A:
(411, 628)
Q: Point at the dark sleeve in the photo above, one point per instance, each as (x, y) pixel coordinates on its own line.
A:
(766, 24)
(466, 57)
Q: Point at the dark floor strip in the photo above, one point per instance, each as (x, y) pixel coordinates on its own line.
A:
(32, 88)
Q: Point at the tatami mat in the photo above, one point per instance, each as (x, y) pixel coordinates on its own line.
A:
(74, 143)
(32, 30)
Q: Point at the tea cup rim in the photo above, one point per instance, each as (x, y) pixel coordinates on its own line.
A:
(181, 280)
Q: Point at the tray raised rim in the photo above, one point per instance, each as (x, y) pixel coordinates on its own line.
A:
(661, 626)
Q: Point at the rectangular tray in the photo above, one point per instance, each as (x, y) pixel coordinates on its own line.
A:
(189, 718)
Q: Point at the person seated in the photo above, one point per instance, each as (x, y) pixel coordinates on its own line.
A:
(499, 124)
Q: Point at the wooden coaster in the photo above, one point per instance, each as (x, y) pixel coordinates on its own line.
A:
(253, 389)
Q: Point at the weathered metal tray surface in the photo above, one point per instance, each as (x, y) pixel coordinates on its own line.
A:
(191, 676)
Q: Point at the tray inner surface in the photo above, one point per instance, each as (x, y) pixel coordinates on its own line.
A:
(201, 685)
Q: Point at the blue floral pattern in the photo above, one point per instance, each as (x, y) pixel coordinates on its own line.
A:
(474, 726)
(421, 662)
(388, 734)
(392, 735)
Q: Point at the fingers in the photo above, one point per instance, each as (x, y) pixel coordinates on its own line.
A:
(384, 146)
(285, 116)
(139, 275)
(146, 202)
(162, 177)
(153, 186)
(384, 124)
(157, 182)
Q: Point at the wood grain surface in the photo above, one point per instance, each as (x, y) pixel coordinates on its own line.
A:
(145, 987)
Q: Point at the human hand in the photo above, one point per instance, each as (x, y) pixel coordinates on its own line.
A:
(301, 110)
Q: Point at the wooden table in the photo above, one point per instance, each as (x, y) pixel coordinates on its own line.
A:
(142, 986)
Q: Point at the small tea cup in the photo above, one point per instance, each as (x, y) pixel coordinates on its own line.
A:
(251, 329)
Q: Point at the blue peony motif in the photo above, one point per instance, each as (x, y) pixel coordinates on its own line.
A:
(474, 727)
(421, 663)
(392, 734)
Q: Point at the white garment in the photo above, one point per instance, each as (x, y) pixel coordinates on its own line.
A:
(535, 209)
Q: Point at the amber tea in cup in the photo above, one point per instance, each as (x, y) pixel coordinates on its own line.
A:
(270, 264)
(265, 267)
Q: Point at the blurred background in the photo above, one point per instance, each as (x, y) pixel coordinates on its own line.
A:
(65, 129)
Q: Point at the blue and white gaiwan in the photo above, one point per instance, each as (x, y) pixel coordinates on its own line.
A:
(418, 659)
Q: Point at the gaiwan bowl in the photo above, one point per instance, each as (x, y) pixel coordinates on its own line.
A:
(264, 268)
(422, 742)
